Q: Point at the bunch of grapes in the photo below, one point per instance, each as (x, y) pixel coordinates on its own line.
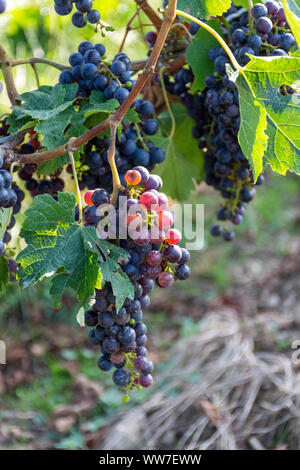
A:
(266, 33)
(92, 72)
(3, 5)
(84, 14)
(154, 258)
(133, 148)
(216, 109)
(11, 197)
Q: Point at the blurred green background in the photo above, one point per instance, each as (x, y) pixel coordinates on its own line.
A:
(49, 359)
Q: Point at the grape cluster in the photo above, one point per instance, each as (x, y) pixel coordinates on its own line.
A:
(3, 5)
(8, 197)
(133, 148)
(27, 173)
(216, 110)
(84, 14)
(266, 33)
(92, 72)
(154, 258)
(11, 195)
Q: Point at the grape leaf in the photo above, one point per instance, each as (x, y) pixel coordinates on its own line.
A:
(56, 245)
(4, 272)
(18, 122)
(68, 252)
(204, 8)
(184, 160)
(121, 286)
(47, 102)
(270, 122)
(98, 103)
(56, 132)
(131, 116)
(46, 213)
(292, 13)
(197, 55)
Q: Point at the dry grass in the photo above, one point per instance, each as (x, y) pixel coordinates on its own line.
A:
(218, 394)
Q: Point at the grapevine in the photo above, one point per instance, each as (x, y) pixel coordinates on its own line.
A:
(216, 100)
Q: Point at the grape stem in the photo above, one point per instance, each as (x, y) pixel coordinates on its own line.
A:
(152, 15)
(111, 153)
(78, 194)
(163, 87)
(215, 34)
(118, 115)
(39, 60)
(5, 64)
(36, 75)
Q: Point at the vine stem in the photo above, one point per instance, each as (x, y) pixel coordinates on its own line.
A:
(152, 15)
(40, 60)
(112, 163)
(78, 194)
(36, 75)
(213, 33)
(251, 19)
(5, 63)
(118, 115)
(173, 127)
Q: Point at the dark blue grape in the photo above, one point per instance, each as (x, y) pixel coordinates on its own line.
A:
(78, 20)
(259, 10)
(93, 16)
(84, 5)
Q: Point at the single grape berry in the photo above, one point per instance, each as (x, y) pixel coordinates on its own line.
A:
(121, 377)
(166, 279)
(182, 272)
(149, 200)
(154, 258)
(173, 236)
(259, 10)
(264, 25)
(88, 198)
(104, 363)
(93, 16)
(133, 177)
(99, 197)
(146, 380)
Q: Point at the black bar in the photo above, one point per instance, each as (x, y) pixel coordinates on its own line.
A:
(134, 459)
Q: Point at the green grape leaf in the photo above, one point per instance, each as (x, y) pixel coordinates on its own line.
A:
(184, 160)
(97, 103)
(46, 213)
(270, 122)
(131, 116)
(292, 13)
(47, 102)
(4, 273)
(121, 286)
(197, 55)
(57, 247)
(114, 251)
(69, 253)
(18, 123)
(204, 8)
